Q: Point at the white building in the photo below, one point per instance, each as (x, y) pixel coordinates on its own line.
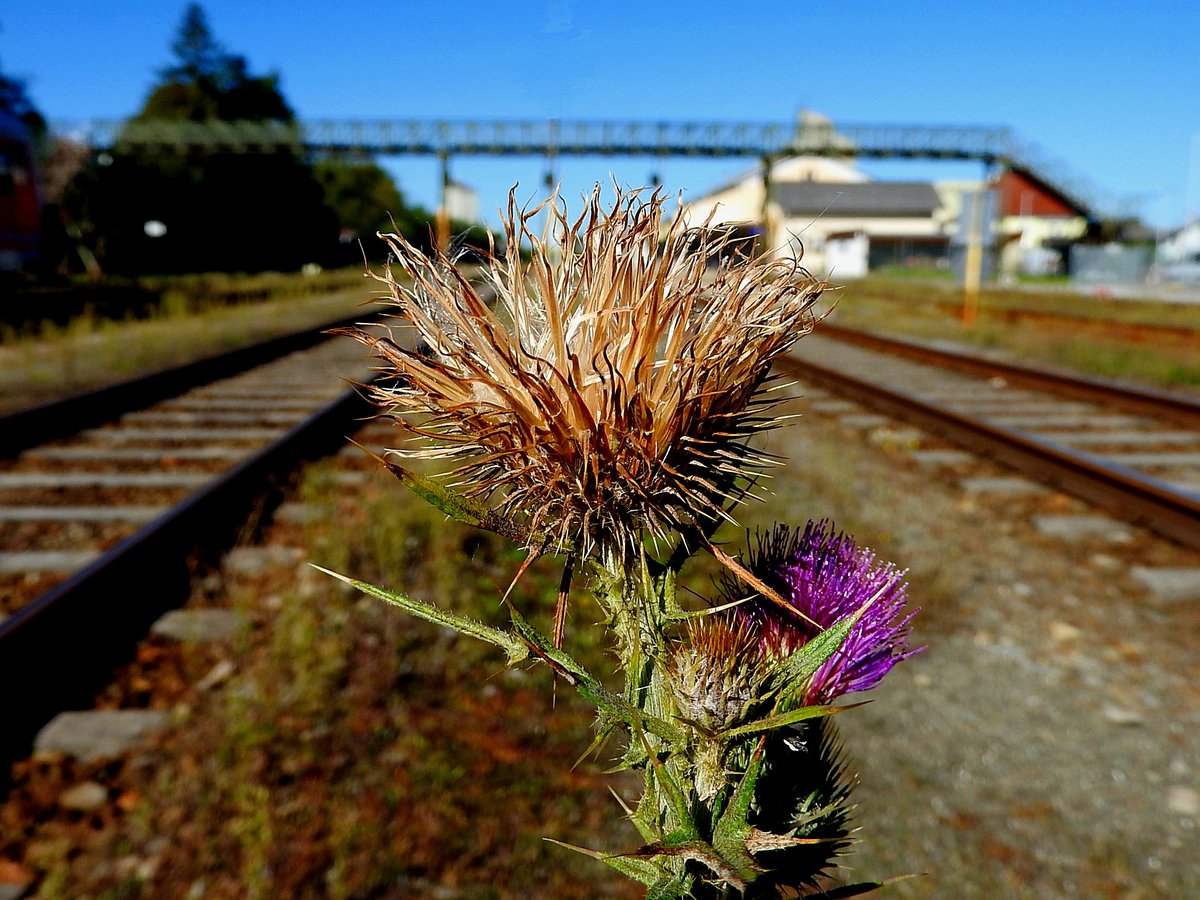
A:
(461, 203)
(1182, 245)
(842, 224)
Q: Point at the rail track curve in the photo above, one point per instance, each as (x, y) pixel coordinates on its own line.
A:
(1142, 456)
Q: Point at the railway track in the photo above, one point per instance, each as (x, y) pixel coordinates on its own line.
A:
(1133, 452)
(101, 529)
(111, 501)
(1096, 325)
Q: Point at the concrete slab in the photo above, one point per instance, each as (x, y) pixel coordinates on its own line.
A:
(167, 417)
(941, 457)
(302, 513)
(1082, 527)
(46, 561)
(314, 392)
(256, 560)
(1010, 485)
(835, 406)
(1172, 585)
(182, 434)
(982, 394)
(1045, 408)
(1068, 421)
(186, 404)
(15, 480)
(199, 625)
(137, 514)
(863, 420)
(1120, 438)
(136, 454)
(98, 733)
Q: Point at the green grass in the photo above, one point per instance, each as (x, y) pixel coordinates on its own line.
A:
(198, 317)
(360, 752)
(1083, 342)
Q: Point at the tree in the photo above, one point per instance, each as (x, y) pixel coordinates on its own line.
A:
(15, 101)
(366, 201)
(219, 211)
(206, 82)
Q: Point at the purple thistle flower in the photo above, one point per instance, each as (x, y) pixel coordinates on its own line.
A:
(826, 577)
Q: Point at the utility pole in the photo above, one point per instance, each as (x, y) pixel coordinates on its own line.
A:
(443, 213)
(767, 238)
(973, 265)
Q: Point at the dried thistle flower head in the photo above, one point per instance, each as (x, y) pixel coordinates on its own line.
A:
(610, 389)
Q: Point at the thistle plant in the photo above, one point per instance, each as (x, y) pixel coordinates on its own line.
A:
(596, 393)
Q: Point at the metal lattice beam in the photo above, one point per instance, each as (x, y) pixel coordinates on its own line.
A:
(501, 137)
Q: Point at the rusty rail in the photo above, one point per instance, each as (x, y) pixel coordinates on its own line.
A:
(1126, 494)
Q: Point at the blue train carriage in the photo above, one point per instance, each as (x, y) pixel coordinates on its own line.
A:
(20, 199)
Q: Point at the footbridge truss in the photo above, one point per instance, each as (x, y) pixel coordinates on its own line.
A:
(445, 138)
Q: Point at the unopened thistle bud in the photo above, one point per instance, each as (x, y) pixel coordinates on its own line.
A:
(719, 673)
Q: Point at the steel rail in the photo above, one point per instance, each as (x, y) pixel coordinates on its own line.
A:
(1105, 327)
(57, 651)
(60, 648)
(1131, 398)
(1126, 494)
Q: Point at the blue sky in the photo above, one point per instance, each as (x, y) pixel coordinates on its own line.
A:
(1111, 91)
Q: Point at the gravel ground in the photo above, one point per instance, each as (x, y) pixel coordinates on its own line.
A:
(1045, 743)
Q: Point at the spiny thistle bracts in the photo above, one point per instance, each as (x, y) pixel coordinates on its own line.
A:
(719, 673)
(609, 390)
(605, 393)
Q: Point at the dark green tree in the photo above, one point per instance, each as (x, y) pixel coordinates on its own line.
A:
(207, 82)
(219, 211)
(15, 101)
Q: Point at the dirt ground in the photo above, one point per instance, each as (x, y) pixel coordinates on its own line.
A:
(1042, 746)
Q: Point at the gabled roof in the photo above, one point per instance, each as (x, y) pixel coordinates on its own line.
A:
(868, 199)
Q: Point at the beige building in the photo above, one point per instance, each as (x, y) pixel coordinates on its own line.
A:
(843, 224)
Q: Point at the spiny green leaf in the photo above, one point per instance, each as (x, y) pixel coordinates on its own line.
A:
(671, 887)
(732, 830)
(456, 506)
(509, 643)
(800, 665)
(588, 686)
(641, 870)
(685, 830)
(788, 718)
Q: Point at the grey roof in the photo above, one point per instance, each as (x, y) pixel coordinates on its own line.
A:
(867, 199)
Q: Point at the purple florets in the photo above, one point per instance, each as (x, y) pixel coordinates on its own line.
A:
(826, 577)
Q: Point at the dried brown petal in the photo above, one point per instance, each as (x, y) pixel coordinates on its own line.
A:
(611, 389)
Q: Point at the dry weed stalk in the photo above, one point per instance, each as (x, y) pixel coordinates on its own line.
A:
(597, 398)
